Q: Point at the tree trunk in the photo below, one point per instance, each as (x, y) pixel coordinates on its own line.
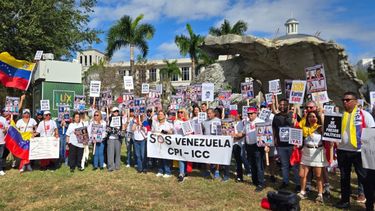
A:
(133, 71)
(192, 69)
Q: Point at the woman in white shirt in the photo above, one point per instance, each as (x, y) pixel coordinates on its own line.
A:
(140, 137)
(75, 148)
(97, 132)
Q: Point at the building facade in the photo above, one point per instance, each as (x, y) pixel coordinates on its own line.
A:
(89, 57)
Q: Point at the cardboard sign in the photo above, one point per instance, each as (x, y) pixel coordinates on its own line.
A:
(368, 148)
(320, 97)
(128, 83)
(95, 88)
(44, 148)
(297, 92)
(44, 105)
(247, 90)
(274, 87)
(208, 92)
(145, 88)
(332, 128)
(264, 134)
(295, 136)
(316, 80)
(202, 116)
(11, 105)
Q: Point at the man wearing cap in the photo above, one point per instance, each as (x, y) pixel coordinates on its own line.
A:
(39, 117)
(255, 154)
(26, 124)
(47, 128)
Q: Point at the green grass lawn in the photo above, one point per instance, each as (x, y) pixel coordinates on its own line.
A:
(128, 190)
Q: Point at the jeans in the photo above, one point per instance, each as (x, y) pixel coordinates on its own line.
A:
(130, 151)
(182, 167)
(255, 156)
(140, 152)
(237, 156)
(245, 161)
(62, 148)
(99, 155)
(345, 160)
(164, 166)
(285, 153)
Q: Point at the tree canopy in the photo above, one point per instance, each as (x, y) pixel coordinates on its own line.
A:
(239, 28)
(54, 26)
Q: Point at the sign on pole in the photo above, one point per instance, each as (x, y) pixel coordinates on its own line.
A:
(208, 92)
(316, 80)
(274, 87)
(44, 105)
(297, 92)
(95, 88)
(128, 83)
(145, 88)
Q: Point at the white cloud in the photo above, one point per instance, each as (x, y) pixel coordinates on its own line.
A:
(167, 50)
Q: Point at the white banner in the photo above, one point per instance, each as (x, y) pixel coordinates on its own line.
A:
(368, 148)
(193, 148)
(95, 88)
(44, 148)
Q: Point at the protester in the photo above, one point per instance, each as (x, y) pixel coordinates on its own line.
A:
(85, 157)
(97, 132)
(3, 128)
(204, 107)
(182, 116)
(164, 127)
(238, 144)
(284, 149)
(39, 117)
(26, 125)
(75, 148)
(47, 128)
(62, 127)
(140, 138)
(130, 151)
(115, 130)
(349, 149)
(313, 154)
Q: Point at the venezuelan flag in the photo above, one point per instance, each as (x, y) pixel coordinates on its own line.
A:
(15, 143)
(15, 73)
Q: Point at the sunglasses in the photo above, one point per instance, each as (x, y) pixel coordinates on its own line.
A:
(347, 100)
(250, 113)
(309, 107)
(47, 115)
(115, 111)
(96, 115)
(180, 112)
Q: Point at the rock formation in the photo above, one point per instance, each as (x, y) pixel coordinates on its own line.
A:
(282, 58)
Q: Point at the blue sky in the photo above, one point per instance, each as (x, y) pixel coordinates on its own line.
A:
(350, 23)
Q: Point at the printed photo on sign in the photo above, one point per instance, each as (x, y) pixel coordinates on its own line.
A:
(106, 98)
(284, 134)
(44, 105)
(159, 88)
(316, 80)
(227, 127)
(233, 107)
(63, 113)
(202, 116)
(297, 92)
(116, 122)
(216, 128)
(320, 97)
(145, 88)
(11, 104)
(329, 109)
(265, 114)
(264, 134)
(82, 135)
(97, 133)
(79, 102)
(95, 88)
(247, 90)
(295, 136)
(274, 86)
(244, 111)
(197, 128)
(288, 87)
(269, 98)
(208, 92)
(187, 128)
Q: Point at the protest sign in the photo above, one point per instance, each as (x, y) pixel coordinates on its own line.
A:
(128, 83)
(44, 148)
(11, 104)
(215, 128)
(194, 92)
(193, 148)
(106, 98)
(265, 114)
(269, 98)
(284, 134)
(288, 87)
(329, 109)
(316, 80)
(202, 116)
(82, 135)
(247, 90)
(197, 127)
(44, 105)
(95, 88)
(295, 136)
(38, 55)
(233, 107)
(244, 111)
(208, 92)
(297, 92)
(187, 128)
(224, 98)
(274, 87)
(159, 88)
(372, 99)
(63, 113)
(97, 132)
(116, 122)
(368, 148)
(264, 134)
(227, 127)
(145, 88)
(320, 97)
(332, 128)
(79, 102)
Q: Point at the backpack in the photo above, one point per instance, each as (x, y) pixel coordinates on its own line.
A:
(283, 200)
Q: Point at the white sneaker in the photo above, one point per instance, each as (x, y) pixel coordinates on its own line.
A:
(128, 166)
(159, 174)
(167, 175)
(2, 173)
(104, 165)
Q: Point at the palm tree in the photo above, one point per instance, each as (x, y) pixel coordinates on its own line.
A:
(170, 70)
(239, 28)
(190, 45)
(128, 32)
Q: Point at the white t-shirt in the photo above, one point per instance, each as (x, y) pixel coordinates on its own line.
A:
(72, 137)
(26, 126)
(251, 137)
(140, 133)
(46, 128)
(158, 127)
(345, 142)
(3, 126)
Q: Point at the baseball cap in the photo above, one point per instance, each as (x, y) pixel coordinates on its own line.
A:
(39, 113)
(46, 112)
(25, 111)
(252, 110)
(115, 109)
(233, 112)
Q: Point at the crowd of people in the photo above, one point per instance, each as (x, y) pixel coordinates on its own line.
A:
(106, 137)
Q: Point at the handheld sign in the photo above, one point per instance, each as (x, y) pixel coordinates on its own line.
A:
(368, 148)
(11, 104)
(145, 88)
(208, 92)
(95, 88)
(295, 136)
(372, 99)
(316, 80)
(332, 128)
(44, 105)
(128, 83)
(202, 116)
(159, 88)
(116, 122)
(274, 87)
(321, 97)
(187, 128)
(297, 92)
